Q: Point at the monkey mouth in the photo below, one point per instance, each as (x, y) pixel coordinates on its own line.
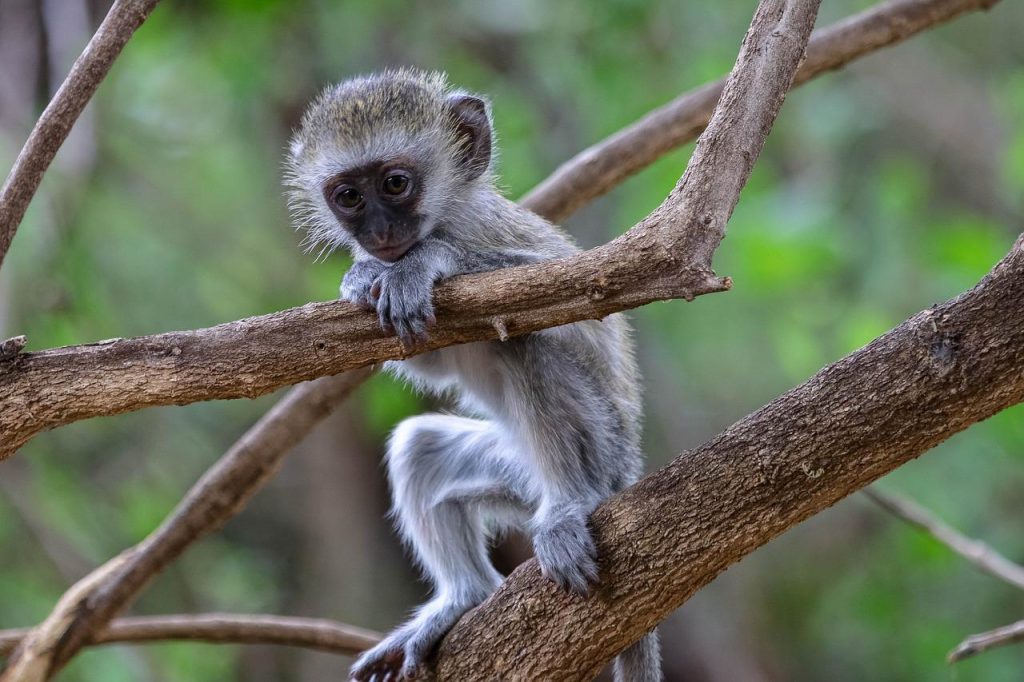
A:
(390, 254)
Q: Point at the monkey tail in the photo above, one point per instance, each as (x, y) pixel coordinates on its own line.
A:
(641, 662)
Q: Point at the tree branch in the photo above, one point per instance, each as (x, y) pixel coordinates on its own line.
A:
(52, 128)
(225, 628)
(92, 602)
(666, 537)
(976, 644)
(975, 551)
(598, 169)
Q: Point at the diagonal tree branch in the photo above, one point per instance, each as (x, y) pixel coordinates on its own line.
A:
(225, 628)
(598, 169)
(49, 389)
(975, 551)
(92, 602)
(52, 128)
(666, 537)
(982, 642)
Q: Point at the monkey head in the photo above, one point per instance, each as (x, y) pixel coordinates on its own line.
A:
(378, 159)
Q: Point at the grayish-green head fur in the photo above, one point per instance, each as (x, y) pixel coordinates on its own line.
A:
(400, 114)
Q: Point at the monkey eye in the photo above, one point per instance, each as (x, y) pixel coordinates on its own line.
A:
(347, 197)
(396, 183)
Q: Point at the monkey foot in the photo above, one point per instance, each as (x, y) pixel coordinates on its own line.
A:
(403, 653)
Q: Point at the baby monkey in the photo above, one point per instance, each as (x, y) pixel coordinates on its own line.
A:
(397, 167)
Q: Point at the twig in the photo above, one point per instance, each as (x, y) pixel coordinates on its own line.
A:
(976, 644)
(978, 553)
(222, 491)
(225, 628)
(601, 167)
(60, 115)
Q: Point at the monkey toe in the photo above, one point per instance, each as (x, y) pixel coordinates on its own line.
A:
(381, 664)
(567, 554)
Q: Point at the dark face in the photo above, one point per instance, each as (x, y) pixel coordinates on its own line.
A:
(378, 204)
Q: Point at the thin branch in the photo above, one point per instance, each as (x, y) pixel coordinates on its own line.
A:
(60, 115)
(976, 552)
(92, 602)
(225, 628)
(976, 644)
(603, 166)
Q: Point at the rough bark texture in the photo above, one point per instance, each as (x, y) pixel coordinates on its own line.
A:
(598, 169)
(64, 109)
(225, 628)
(666, 537)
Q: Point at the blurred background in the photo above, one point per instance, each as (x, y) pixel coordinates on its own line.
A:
(884, 188)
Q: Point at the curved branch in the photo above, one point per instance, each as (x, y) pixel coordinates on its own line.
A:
(216, 497)
(598, 169)
(978, 553)
(60, 115)
(666, 537)
(225, 628)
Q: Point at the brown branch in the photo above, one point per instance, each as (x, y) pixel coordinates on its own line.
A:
(225, 628)
(60, 115)
(976, 644)
(224, 489)
(666, 537)
(598, 169)
(975, 551)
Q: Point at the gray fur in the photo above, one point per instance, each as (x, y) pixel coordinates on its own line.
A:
(554, 425)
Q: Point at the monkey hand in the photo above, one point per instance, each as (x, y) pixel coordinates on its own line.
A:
(566, 551)
(355, 285)
(403, 294)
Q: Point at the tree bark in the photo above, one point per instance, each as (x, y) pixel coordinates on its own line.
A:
(666, 537)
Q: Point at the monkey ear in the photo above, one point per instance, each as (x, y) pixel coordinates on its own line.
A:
(472, 132)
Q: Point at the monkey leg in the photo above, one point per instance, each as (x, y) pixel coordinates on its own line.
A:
(454, 481)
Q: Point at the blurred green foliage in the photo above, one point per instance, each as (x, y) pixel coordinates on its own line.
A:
(884, 188)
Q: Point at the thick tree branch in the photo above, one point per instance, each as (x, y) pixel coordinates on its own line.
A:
(60, 115)
(975, 551)
(976, 644)
(92, 602)
(597, 169)
(225, 628)
(666, 537)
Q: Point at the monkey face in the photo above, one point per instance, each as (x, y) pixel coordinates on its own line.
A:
(378, 204)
